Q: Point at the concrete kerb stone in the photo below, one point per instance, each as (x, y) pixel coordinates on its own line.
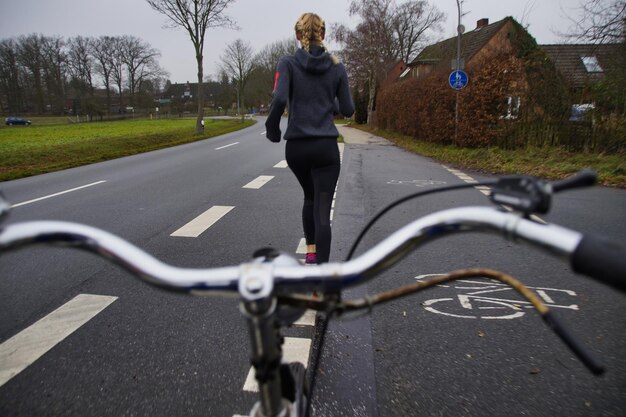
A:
(354, 136)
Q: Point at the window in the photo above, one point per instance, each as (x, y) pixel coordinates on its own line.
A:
(511, 104)
(591, 63)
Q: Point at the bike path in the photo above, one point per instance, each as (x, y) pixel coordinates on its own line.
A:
(427, 363)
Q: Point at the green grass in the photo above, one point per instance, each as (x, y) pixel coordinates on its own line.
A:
(548, 163)
(37, 149)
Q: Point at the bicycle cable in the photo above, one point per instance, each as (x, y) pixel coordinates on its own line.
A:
(329, 313)
(410, 197)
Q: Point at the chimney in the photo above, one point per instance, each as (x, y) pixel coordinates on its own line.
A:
(482, 23)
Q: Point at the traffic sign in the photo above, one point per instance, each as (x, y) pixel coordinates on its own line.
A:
(458, 79)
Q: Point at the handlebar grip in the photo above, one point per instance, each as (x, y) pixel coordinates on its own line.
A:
(568, 338)
(602, 259)
(583, 178)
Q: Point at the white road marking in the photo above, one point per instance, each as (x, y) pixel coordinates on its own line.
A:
(264, 132)
(258, 182)
(20, 351)
(227, 146)
(301, 246)
(295, 349)
(281, 164)
(486, 190)
(57, 194)
(308, 319)
(201, 223)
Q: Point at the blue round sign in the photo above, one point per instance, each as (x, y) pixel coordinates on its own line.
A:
(458, 79)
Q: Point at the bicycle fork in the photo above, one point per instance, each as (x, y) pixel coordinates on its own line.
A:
(258, 305)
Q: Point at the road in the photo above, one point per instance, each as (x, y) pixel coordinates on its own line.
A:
(143, 352)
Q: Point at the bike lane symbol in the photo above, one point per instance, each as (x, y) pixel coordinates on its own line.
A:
(477, 300)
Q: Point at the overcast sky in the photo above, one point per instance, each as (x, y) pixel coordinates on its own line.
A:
(261, 23)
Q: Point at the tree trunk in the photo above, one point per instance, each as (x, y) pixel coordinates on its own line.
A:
(200, 117)
(372, 95)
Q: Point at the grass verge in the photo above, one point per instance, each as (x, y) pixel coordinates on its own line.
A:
(548, 163)
(31, 150)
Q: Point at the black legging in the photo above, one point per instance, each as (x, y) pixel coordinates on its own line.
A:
(316, 164)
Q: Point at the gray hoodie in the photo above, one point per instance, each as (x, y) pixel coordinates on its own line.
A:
(316, 89)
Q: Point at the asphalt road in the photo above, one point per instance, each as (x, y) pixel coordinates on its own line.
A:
(150, 353)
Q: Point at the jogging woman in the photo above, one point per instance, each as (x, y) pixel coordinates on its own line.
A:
(314, 86)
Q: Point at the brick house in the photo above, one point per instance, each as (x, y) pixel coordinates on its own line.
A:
(511, 82)
(475, 44)
(583, 66)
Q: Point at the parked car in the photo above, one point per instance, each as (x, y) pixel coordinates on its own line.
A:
(16, 121)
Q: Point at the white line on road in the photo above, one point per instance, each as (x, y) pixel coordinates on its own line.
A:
(295, 349)
(17, 353)
(207, 219)
(301, 246)
(281, 164)
(57, 194)
(307, 319)
(258, 182)
(227, 146)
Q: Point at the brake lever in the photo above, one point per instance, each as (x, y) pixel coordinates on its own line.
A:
(522, 193)
(530, 195)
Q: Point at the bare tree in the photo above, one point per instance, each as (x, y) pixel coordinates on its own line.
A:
(54, 70)
(103, 50)
(262, 80)
(599, 21)
(195, 16)
(238, 63)
(410, 24)
(117, 68)
(268, 58)
(140, 60)
(386, 33)
(11, 95)
(30, 58)
(81, 63)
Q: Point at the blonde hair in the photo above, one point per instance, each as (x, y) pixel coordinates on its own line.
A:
(311, 30)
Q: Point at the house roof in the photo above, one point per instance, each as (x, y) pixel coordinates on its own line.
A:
(579, 63)
(471, 43)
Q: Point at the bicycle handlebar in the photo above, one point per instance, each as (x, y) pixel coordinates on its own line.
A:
(592, 256)
(601, 259)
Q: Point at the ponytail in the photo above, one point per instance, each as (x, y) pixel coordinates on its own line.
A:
(311, 30)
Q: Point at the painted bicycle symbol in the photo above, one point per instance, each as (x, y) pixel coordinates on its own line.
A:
(490, 299)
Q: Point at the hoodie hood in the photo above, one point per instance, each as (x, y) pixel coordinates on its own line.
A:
(317, 62)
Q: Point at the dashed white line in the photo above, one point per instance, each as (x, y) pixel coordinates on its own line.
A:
(201, 223)
(57, 194)
(227, 146)
(463, 176)
(301, 247)
(258, 182)
(281, 164)
(486, 190)
(307, 319)
(17, 353)
(295, 349)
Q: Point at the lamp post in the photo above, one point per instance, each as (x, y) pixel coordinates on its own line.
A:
(459, 29)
